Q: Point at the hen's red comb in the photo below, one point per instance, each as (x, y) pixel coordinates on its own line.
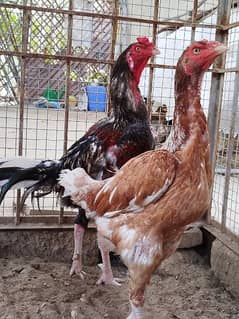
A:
(144, 40)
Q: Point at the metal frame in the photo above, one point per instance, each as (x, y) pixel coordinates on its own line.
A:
(222, 28)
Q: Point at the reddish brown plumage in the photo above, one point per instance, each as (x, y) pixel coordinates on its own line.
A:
(144, 208)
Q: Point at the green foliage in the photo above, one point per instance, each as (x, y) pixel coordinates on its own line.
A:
(96, 77)
(44, 36)
(10, 29)
(73, 76)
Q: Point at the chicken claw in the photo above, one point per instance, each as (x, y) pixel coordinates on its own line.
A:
(76, 268)
(107, 278)
(108, 281)
(136, 312)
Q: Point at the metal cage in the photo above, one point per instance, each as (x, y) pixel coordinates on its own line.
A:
(51, 50)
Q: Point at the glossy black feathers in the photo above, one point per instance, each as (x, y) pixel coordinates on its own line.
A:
(105, 147)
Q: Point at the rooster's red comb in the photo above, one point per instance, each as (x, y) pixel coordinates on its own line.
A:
(144, 40)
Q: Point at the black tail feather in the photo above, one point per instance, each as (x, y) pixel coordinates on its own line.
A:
(27, 192)
(33, 179)
(4, 190)
(6, 173)
(19, 176)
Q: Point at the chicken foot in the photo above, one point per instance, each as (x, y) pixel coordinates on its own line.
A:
(136, 312)
(106, 277)
(76, 267)
(139, 277)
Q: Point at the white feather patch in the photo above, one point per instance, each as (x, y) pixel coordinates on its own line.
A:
(155, 196)
(66, 179)
(142, 252)
(103, 226)
(132, 207)
(128, 234)
(112, 194)
(112, 213)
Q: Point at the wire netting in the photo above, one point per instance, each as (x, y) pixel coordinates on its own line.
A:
(51, 51)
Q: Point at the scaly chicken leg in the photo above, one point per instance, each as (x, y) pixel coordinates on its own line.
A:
(76, 267)
(106, 277)
(139, 278)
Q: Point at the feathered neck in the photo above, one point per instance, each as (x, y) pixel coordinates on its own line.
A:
(188, 113)
(126, 101)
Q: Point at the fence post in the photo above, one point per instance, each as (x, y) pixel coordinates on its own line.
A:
(231, 143)
(194, 19)
(216, 92)
(151, 68)
(112, 50)
(67, 91)
(25, 32)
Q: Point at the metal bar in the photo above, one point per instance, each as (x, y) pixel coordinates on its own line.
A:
(110, 16)
(112, 51)
(96, 61)
(194, 18)
(56, 56)
(231, 145)
(151, 70)
(217, 84)
(25, 30)
(67, 91)
(222, 171)
(68, 70)
(233, 25)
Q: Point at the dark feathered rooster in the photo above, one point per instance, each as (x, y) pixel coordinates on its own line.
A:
(141, 212)
(101, 151)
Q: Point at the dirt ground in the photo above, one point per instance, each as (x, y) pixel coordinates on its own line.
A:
(183, 288)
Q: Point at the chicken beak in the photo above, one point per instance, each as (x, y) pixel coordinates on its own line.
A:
(220, 49)
(156, 51)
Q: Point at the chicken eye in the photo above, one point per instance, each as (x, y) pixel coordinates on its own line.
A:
(196, 51)
(137, 49)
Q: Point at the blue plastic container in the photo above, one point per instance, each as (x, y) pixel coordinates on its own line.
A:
(51, 104)
(54, 105)
(97, 98)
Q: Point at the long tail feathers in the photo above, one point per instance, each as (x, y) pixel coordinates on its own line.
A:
(28, 174)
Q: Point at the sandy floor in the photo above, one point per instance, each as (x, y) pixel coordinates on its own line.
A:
(184, 288)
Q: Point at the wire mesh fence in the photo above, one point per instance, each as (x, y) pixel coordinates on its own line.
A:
(51, 51)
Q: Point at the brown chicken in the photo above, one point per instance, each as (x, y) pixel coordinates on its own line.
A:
(142, 211)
